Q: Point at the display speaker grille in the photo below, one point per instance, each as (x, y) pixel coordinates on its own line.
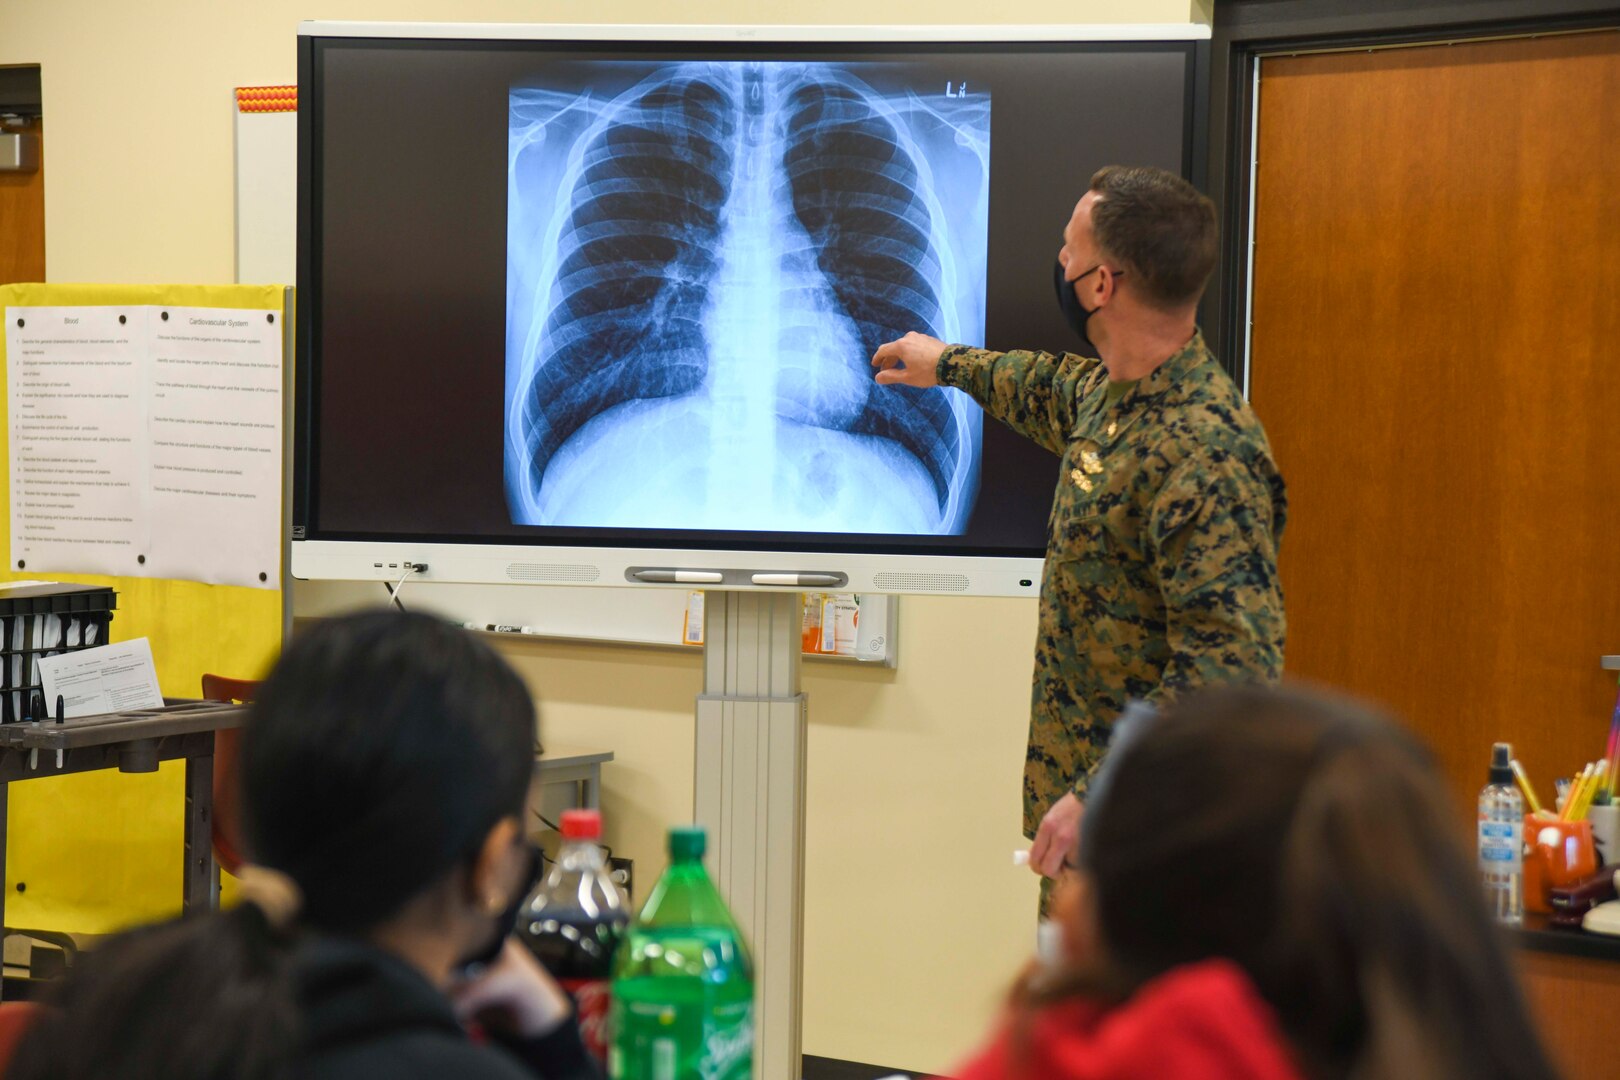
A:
(528, 571)
(888, 581)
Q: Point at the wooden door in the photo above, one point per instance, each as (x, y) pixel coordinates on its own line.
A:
(22, 221)
(1436, 356)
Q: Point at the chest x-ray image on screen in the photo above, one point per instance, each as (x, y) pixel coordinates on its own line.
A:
(702, 258)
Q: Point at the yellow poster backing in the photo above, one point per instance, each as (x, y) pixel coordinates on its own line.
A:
(95, 852)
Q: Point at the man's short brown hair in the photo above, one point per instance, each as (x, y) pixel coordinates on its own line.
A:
(1158, 227)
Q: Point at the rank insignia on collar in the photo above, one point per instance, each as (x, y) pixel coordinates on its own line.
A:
(1112, 427)
(1081, 480)
(1090, 462)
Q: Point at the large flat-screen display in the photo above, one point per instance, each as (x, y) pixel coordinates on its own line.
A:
(598, 305)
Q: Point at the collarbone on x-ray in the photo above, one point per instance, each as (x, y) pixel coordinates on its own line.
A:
(702, 258)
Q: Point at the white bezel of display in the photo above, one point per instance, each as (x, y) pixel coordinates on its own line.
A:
(521, 564)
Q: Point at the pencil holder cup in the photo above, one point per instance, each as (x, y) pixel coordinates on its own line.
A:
(1557, 854)
(1606, 832)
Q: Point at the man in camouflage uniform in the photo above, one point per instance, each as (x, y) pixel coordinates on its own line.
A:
(1161, 559)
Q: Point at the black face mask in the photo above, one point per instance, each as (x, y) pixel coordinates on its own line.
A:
(506, 921)
(1075, 313)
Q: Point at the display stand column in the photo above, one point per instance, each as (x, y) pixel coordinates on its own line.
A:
(749, 779)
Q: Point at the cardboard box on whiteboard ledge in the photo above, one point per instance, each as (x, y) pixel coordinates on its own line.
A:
(834, 624)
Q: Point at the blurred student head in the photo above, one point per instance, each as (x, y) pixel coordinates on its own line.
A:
(384, 773)
(1314, 844)
(389, 756)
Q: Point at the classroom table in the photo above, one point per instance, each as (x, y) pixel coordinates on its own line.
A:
(1572, 982)
(572, 765)
(137, 741)
(131, 742)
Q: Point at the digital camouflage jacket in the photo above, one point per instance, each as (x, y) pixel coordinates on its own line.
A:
(1161, 557)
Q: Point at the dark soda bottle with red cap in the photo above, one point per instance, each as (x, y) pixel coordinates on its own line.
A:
(573, 922)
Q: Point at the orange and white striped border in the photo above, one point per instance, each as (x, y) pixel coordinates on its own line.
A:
(250, 99)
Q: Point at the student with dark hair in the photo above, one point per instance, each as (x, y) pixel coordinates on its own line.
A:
(385, 772)
(1270, 886)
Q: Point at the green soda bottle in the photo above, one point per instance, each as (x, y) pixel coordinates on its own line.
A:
(683, 983)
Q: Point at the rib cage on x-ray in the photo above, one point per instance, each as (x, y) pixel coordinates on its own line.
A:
(636, 259)
(855, 192)
(693, 191)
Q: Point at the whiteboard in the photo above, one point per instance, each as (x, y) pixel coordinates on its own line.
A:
(266, 186)
(266, 251)
(634, 616)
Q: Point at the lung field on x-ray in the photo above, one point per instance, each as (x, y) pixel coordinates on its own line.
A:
(702, 259)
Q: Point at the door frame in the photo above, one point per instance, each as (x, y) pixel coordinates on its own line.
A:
(1245, 31)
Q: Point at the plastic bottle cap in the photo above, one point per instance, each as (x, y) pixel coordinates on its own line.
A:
(581, 824)
(687, 842)
(1501, 767)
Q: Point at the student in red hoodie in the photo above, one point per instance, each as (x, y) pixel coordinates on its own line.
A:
(1270, 885)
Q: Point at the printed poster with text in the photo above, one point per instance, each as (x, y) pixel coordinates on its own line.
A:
(146, 441)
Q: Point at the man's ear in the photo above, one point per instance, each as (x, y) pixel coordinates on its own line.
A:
(1106, 285)
(489, 883)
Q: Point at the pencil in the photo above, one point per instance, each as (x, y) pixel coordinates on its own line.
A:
(1613, 756)
(1599, 779)
(1525, 786)
(1576, 790)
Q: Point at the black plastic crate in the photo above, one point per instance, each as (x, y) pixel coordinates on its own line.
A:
(45, 620)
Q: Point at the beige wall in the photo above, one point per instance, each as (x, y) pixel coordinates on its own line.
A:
(915, 920)
(140, 181)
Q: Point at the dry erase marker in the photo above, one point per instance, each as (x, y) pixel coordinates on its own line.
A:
(500, 628)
